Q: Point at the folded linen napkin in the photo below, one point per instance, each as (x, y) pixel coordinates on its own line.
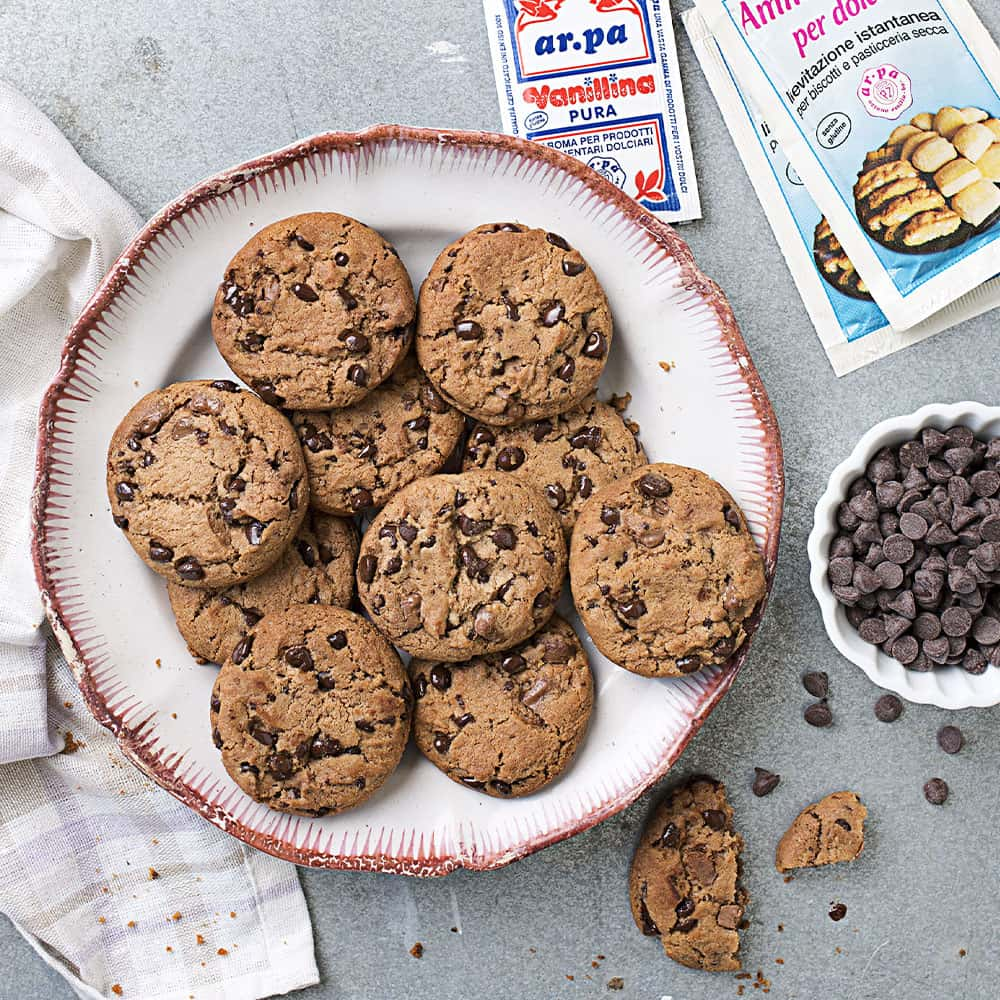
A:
(123, 890)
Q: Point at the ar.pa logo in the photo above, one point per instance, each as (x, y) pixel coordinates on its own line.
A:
(554, 37)
(885, 92)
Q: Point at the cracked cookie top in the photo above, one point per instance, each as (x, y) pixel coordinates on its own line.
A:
(314, 312)
(512, 324)
(311, 711)
(684, 883)
(207, 483)
(457, 566)
(568, 457)
(664, 571)
(508, 723)
(360, 455)
(825, 833)
(317, 568)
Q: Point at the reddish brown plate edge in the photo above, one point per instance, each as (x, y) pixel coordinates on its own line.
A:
(131, 740)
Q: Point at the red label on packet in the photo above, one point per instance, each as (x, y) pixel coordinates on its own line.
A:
(598, 79)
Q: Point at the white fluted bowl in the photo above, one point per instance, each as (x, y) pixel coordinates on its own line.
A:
(946, 687)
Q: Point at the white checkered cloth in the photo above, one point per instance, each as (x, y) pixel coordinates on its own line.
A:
(115, 884)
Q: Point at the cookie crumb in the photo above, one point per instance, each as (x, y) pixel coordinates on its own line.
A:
(620, 403)
(781, 928)
(70, 745)
(69, 704)
(176, 916)
(101, 920)
(667, 366)
(961, 953)
(789, 878)
(116, 989)
(198, 939)
(153, 874)
(131, 923)
(232, 913)
(169, 948)
(417, 951)
(779, 961)
(616, 983)
(223, 952)
(569, 977)
(158, 663)
(454, 930)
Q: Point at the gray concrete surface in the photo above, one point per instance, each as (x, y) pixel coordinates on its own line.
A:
(157, 95)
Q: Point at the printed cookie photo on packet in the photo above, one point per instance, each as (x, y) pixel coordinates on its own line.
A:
(599, 80)
(901, 158)
(852, 328)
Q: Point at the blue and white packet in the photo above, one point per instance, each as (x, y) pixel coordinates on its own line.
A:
(854, 331)
(598, 79)
(844, 84)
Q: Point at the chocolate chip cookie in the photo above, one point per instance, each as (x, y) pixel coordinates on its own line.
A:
(311, 711)
(684, 883)
(834, 264)
(664, 571)
(512, 324)
(568, 457)
(825, 833)
(360, 455)
(458, 566)
(317, 568)
(314, 311)
(207, 483)
(508, 723)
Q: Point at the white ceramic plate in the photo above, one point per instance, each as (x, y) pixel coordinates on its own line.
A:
(148, 325)
(946, 687)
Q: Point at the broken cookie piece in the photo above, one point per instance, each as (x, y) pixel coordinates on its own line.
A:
(827, 832)
(683, 884)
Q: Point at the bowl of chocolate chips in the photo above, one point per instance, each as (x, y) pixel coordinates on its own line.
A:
(905, 555)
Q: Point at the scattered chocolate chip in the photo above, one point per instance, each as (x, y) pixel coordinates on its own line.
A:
(936, 791)
(888, 708)
(950, 739)
(819, 715)
(764, 782)
(838, 911)
(817, 683)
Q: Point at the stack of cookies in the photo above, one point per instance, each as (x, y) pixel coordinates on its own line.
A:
(463, 434)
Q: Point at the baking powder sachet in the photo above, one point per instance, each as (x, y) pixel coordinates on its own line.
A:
(889, 112)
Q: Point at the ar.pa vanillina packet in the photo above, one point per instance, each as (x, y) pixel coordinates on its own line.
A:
(889, 111)
(598, 79)
(852, 328)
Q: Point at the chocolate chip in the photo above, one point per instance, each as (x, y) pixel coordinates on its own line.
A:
(555, 495)
(440, 677)
(872, 630)
(543, 599)
(356, 343)
(817, 683)
(268, 393)
(838, 911)
(715, 819)
(685, 907)
(950, 739)
(188, 568)
(571, 268)
(513, 663)
(936, 791)
(281, 765)
(256, 729)
(510, 458)
(652, 485)
(986, 631)
(242, 649)
(254, 532)
(503, 787)
(888, 708)
(670, 838)
(587, 437)
(566, 370)
(357, 375)
(688, 664)
(819, 715)
(160, 553)
(125, 492)
(956, 621)
(764, 782)
(367, 566)
(360, 498)
(595, 346)
(913, 526)
(557, 241)
(504, 537)
(468, 329)
(632, 609)
(305, 292)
